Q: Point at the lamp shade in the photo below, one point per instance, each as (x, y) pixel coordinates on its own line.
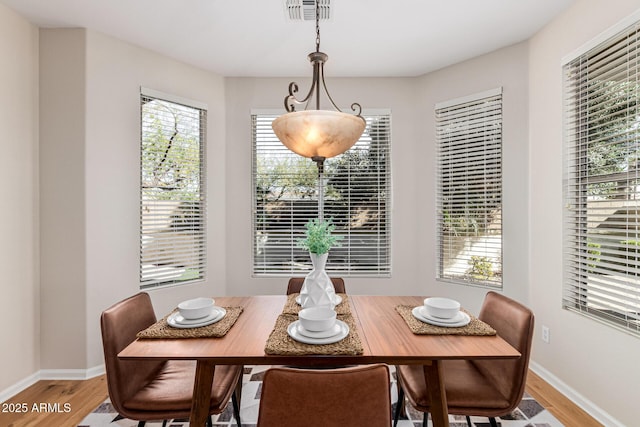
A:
(318, 133)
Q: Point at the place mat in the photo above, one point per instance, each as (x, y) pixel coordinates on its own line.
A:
(292, 307)
(475, 327)
(281, 344)
(161, 328)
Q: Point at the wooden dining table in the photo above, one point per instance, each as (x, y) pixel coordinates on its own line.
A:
(385, 336)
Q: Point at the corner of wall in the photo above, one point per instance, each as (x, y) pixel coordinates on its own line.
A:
(62, 197)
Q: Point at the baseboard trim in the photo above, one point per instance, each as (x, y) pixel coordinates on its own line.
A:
(51, 374)
(96, 371)
(71, 374)
(585, 404)
(12, 390)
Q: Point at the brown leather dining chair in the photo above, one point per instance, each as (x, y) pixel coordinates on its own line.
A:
(348, 397)
(295, 285)
(489, 388)
(156, 390)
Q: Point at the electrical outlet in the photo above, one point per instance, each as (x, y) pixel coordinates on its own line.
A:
(545, 334)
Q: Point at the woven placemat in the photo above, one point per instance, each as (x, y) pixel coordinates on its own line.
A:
(280, 343)
(475, 327)
(292, 307)
(161, 328)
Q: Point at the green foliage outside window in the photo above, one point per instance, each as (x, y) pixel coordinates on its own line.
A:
(612, 147)
(170, 151)
(481, 267)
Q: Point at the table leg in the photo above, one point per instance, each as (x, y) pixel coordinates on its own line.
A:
(435, 385)
(201, 393)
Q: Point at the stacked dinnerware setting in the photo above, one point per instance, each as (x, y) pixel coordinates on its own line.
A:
(318, 325)
(195, 313)
(439, 311)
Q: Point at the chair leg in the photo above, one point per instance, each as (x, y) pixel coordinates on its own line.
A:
(236, 409)
(164, 423)
(469, 421)
(238, 390)
(493, 422)
(209, 421)
(236, 398)
(425, 419)
(141, 423)
(398, 405)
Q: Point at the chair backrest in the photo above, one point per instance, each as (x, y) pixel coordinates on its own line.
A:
(514, 323)
(347, 397)
(120, 323)
(295, 285)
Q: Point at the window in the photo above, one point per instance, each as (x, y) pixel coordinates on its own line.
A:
(357, 198)
(172, 190)
(602, 182)
(469, 189)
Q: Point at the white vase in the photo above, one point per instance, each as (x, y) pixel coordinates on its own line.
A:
(317, 289)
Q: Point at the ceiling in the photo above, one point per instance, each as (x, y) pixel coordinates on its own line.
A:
(365, 38)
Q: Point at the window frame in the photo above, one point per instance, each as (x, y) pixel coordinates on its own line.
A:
(597, 275)
(457, 121)
(299, 259)
(186, 216)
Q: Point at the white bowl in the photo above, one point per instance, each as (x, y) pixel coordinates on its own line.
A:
(443, 308)
(317, 318)
(196, 308)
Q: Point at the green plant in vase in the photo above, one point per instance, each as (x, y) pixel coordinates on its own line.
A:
(317, 289)
(318, 236)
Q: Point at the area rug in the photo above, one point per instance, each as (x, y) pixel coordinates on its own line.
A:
(528, 414)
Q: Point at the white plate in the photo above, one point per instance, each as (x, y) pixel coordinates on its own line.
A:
(417, 313)
(335, 330)
(177, 321)
(459, 317)
(337, 300)
(294, 333)
(178, 318)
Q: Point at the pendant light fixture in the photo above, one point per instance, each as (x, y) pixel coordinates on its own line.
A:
(315, 133)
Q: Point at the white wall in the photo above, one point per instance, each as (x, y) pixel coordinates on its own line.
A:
(597, 361)
(91, 184)
(19, 196)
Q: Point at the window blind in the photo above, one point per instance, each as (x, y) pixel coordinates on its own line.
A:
(469, 189)
(172, 192)
(357, 198)
(601, 191)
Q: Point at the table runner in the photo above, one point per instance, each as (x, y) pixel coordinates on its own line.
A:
(280, 343)
(292, 307)
(161, 328)
(475, 327)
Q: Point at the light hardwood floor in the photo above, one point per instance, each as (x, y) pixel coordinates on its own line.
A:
(562, 408)
(84, 396)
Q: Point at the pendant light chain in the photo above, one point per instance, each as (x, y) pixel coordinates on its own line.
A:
(318, 84)
(317, 26)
